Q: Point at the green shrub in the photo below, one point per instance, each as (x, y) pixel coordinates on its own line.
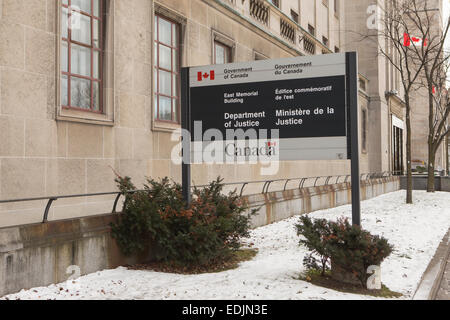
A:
(421, 169)
(205, 233)
(348, 247)
(315, 232)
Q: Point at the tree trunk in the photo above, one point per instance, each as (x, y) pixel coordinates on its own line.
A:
(430, 180)
(409, 199)
(447, 160)
(431, 134)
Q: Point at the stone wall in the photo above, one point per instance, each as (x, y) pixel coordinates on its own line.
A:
(40, 254)
(421, 182)
(276, 206)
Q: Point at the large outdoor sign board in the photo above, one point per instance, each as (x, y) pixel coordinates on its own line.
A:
(302, 108)
(293, 108)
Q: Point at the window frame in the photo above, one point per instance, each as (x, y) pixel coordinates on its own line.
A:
(364, 130)
(257, 56)
(227, 49)
(217, 36)
(336, 8)
(295, 16)
(276, 3)
(92, 48)
(156, 94)
(311, 30)
(362, 85)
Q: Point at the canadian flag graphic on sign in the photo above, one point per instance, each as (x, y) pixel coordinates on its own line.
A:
(408, 40)
(205, 75)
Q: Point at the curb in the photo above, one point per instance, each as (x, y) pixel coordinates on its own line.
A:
(431, 279)
(437, 284)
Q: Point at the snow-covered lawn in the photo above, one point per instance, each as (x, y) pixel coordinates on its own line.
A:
(414, 230)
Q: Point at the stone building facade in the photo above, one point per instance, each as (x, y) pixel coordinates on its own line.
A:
(78, 104)
(386, 112)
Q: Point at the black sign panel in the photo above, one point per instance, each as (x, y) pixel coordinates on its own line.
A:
(299, 108)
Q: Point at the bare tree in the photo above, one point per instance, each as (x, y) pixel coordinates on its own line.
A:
(427, 25)
(408, 36)
(393, 26)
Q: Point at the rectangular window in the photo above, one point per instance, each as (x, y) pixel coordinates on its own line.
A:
(336, 49)
(294, 16)
(397, 150)
(259, 56)
(276, 3)
(364, 130)
(222, 53)
(81, 54)
(166, 70)
(362, 84)
(311, 30)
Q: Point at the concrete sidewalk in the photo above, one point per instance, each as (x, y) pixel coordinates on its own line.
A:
(443, 287)
(435, 283)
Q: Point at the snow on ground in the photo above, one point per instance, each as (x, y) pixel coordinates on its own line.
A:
(414, 230)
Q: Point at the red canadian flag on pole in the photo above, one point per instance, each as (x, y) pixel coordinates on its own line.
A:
(408, 40)
(211, 75)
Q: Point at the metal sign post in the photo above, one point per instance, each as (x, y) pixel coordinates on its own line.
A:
(186, 143)
(352, 105)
